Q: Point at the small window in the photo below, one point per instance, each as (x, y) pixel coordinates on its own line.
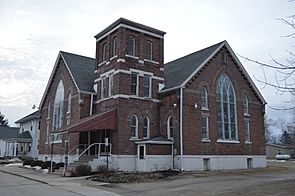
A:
(204, 95)
(170, 127)
(69, 102)
(131, 46)
(146, 127)
(105, 52)
(206, 164)
(149, 50)
(103, 88)
(246, 105)
(205, 128)
(247, 130)
(134, 126)
(48, 111)
(115, 46)
(224, 58)
(111, 78)
(134, 83)
(147, 86)
(47, 133)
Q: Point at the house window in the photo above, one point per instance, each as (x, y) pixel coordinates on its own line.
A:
(170, 127)
(205, 127)
(226, 109)
(246, 105)
(147, 86)
(103, 88)
(105, 52)
(146, 127)
(134, 83)
(131, 46)
(111, 84)
(134, 126)
(247, 130)
(148, 50)
(58, 106)
(204, 95)
(115, 46)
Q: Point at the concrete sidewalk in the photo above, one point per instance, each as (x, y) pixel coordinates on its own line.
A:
(74, 184)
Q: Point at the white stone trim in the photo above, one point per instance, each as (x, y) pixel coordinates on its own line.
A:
(101, 63)
(140, 73)
(121, 60)
(131, 56)
(113, 57)
(161, 69)
(129, 27)
(151, 61)
(228, 141)
(127, 97)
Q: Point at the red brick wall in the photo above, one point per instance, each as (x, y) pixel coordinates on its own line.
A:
(192, 117)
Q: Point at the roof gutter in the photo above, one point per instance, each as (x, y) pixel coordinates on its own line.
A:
(170, 89)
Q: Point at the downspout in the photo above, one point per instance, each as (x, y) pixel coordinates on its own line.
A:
(180, 129)
(91, 105)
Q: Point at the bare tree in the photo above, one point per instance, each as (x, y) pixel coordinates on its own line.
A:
(3, 120)
(284, 80)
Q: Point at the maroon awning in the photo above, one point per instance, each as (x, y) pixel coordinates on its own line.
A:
(105, 120)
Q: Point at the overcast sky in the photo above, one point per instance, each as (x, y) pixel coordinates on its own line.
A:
(32, 32)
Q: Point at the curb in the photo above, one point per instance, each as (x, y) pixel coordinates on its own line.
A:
(24, 177)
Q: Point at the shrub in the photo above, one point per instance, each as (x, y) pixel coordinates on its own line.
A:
(28, 162)
(102, 169)
(47, 164)
(83, 170)
(58, 165)
(37, 163)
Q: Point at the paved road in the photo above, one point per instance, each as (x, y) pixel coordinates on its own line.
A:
(273, 181)
(12, 185)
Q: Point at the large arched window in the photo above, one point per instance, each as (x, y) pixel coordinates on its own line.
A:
(134, 126)
(170, 127)
(146, 127)
(226, 109)
(204, 95)
(246, 105)
(58, 106)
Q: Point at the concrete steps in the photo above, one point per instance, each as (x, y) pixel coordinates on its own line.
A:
(82, 160)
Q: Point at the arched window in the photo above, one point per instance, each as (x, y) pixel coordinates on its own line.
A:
(146, 127)
(105, 52)
(134, 126)
(115, 46)
(69, 103)
(246, 105)
(226, 109)
(170, 127)
(58, 106)
(204, 95)
(131, 46)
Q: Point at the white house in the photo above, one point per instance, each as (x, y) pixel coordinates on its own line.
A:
(6, 133)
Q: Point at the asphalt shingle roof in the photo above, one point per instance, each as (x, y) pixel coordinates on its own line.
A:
(25, 135)
(177, 71)
(82, 69)
(8, 132)
(29, 117)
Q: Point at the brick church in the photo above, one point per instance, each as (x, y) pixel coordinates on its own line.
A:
(198, 112)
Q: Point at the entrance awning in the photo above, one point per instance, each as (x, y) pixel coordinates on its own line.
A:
(105, 120)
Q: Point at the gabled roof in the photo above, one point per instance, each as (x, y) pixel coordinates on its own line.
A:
(129, 23)
(25, 135)
(80, 68)
(34, 115)
(178, 72)
(8, 132)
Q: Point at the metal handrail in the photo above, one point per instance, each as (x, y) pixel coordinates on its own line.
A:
(77, 146)
(93, 144)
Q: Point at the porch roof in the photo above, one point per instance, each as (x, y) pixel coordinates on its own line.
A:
(106, 120)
